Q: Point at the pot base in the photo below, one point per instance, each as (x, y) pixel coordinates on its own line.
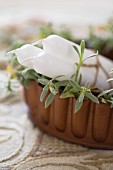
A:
(92, 126)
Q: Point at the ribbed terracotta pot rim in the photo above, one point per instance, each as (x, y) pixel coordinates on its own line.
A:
(92, 126)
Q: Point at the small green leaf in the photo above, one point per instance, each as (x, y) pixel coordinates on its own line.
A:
(67, 88)
(62, 83)
(93, 55)
(76, 49)
(82, 46)
(49, 100)
(75, 85)
(80, 79)
(43, 81)
(73, 75)
(92, 97)
(44, 93)
(78, 105)
(81, 97)
(35, 74)
(29, 74)
(53, 90)
(110, 101)
(57, 77)
(105, 92)
(26, 83)
(25, 72)
(67, 94)
(87, 84)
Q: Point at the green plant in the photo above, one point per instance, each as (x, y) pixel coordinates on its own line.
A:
(66, 88)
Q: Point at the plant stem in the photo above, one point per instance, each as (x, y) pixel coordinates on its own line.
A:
(78, 69)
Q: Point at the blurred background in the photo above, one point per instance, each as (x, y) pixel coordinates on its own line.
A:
(60, 11)
(27, 21)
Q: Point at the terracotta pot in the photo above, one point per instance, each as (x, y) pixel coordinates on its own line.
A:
(92, 126)
(108, 54)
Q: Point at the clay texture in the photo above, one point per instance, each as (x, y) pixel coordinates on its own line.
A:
(92, 126)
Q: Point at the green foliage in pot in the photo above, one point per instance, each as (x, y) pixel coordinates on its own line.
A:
(45, 68)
